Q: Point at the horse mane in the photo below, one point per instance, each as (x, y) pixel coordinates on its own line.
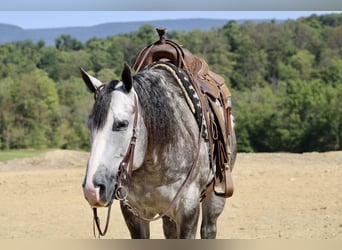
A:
(157, 101)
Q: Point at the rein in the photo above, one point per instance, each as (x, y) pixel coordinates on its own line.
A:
(96, 222)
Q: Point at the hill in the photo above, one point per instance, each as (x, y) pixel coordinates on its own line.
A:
(11, 33)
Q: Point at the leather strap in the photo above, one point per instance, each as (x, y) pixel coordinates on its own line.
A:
(142, 57)
(126, 165)
(96, 222)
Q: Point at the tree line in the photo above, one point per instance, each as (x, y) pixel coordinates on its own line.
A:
(285, 78)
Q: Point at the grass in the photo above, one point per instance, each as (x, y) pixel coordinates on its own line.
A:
(20, 153)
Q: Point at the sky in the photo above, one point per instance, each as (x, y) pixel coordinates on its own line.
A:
(53, 19)
(144, 5)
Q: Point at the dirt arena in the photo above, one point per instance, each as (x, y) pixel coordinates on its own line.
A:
(277, 196)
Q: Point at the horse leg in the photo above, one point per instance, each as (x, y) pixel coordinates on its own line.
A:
(212, 207)
(138, 228)
(187, 226)
(170, 228)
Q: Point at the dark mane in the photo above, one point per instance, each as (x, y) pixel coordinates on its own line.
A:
(156, 98)
(99, 113)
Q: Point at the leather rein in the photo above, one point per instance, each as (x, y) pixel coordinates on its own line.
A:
(124, 174)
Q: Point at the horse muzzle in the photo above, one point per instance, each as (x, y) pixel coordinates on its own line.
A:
(99, 190)
(92, 195)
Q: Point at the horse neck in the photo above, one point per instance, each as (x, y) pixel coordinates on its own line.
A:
(172, 122)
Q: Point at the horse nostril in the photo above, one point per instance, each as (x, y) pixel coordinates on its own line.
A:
(102, 188)
(104, 182)
(99, 182)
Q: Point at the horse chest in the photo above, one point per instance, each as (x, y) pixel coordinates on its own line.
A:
(149, 198)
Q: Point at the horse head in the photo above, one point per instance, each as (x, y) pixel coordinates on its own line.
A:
(112, 125)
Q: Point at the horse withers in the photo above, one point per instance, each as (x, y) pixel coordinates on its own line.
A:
(147, 150)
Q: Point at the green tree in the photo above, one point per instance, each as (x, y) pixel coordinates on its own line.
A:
(257, 120)
(332, 74)
(68, 43)
(146, 34)
(75, 106)
(250, 62)
(303, 62)
(6, 117)
(36, 111)
(99, 56)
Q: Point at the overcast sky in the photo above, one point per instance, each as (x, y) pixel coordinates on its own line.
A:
(51, 19)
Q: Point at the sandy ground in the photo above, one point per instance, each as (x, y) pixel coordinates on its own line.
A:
(289, 196)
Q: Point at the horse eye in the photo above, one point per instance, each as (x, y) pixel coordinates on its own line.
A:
(120, 125)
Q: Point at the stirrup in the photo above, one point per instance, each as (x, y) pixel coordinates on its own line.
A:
(224, 187)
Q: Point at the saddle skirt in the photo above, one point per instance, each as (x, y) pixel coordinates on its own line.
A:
(214, 97)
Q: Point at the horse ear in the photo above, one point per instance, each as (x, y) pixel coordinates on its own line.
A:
(91, 82)
(126, 78)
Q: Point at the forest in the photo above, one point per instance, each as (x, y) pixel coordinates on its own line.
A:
(285, 79)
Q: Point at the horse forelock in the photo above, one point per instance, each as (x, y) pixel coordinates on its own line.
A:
(97, 118)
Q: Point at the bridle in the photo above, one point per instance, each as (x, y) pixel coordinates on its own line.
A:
(125, 173)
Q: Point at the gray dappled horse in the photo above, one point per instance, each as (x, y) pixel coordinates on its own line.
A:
(170, 155)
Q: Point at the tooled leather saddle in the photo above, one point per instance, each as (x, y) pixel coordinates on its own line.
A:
(215, 101)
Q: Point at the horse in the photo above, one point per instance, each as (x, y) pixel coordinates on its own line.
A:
(169, 166)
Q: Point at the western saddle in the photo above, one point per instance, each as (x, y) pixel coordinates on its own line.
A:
(215, 100)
